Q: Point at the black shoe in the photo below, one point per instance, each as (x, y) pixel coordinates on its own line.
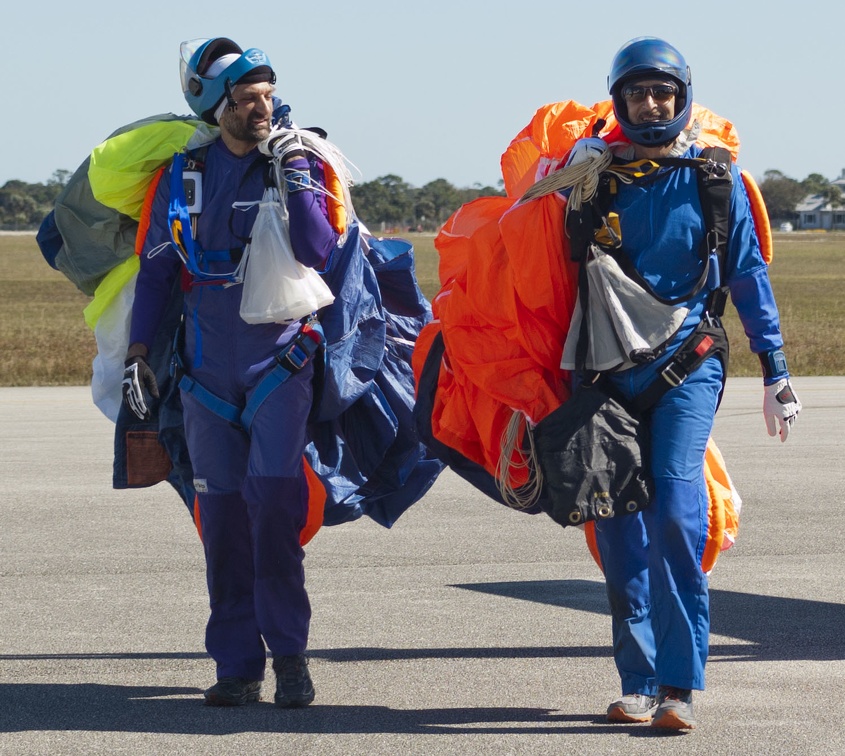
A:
(233, 691)
(294, 688)
(674, 709)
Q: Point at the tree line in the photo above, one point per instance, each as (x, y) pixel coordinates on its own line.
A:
(390, 204)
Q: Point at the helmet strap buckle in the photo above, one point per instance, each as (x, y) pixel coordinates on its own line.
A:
(230, 98)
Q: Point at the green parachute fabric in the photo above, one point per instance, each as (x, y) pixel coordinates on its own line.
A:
(97, 212)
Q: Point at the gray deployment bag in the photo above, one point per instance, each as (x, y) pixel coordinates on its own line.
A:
(593, 455)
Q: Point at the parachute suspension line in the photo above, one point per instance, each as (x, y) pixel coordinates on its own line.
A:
(582, 178)
(513, 458)
(329, 153)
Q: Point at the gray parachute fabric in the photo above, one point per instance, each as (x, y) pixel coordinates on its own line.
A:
(95, 238)
(623, 319)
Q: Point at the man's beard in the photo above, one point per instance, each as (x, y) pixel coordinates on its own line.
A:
(248, 131)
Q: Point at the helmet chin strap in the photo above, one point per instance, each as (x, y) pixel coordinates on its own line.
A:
(230, 99)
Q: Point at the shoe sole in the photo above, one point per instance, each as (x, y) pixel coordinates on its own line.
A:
(216, 701)
(619, 715)
(297, 703)
(669, 720)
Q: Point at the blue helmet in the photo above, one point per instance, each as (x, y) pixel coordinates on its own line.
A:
(644, 57)
(205, 84)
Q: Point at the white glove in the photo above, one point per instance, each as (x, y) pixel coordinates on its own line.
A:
(583, 149)
(284, 144)
(137, 376)
(780, 405)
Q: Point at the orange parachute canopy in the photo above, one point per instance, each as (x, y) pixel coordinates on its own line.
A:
(508, 290)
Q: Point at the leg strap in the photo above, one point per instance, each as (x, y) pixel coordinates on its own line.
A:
(707, 339)
(293, 357)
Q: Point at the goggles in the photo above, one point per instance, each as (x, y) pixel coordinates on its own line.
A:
(659, 92)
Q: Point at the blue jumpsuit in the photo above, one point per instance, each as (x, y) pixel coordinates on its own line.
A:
(250, 487)
(657, 590)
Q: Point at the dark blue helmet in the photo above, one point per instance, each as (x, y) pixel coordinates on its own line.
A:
(644, 57)
(205, 84)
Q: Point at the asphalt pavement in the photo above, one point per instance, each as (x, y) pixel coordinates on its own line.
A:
(465, 629)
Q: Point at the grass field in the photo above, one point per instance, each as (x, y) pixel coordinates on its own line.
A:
(45, 342)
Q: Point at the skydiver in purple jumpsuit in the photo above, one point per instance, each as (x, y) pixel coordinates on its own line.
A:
(250, 486)
(657, 590)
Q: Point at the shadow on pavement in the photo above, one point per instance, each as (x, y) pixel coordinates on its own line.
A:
(768, 628)
(772, 628)
(112, 708)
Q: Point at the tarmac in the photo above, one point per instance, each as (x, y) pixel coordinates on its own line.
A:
(467, 628)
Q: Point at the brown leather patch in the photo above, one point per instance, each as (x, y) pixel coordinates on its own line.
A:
(147, 462)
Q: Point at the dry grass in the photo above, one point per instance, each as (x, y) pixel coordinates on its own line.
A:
(45, 342)
(43, 337)
(808, 277)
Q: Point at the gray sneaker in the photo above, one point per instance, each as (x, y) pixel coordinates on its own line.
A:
(674, 709)
(632, 707)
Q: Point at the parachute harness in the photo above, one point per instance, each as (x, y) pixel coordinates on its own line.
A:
(584, 179)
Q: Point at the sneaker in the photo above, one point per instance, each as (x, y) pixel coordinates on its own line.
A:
(674, 709)
(294, 688)
(632, 707)
(233, 691)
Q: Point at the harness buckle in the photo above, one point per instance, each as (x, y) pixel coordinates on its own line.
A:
(294, 358)
(715, 168)
(301, 349)
(671, 376)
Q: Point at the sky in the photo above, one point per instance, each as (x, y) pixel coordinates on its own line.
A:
(422, 90)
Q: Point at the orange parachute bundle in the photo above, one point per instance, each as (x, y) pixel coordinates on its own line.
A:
(508, 291)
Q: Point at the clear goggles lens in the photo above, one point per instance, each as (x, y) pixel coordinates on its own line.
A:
(186, 52)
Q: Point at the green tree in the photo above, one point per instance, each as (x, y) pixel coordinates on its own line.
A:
(781, 195)
(440, 199)
(18, 209)
(59, 178)
(818, 185)
(387, 200)
(815, 183)
(23, 206)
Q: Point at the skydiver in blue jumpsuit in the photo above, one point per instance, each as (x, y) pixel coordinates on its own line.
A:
(657, 590)
(250, 485)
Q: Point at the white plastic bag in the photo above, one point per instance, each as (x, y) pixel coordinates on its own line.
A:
(277, 288)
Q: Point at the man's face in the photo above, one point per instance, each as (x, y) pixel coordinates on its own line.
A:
(650, 100)
(250, 121)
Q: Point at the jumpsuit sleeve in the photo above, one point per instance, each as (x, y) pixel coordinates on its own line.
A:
(312, 236)
(160, 265)
(748, 276)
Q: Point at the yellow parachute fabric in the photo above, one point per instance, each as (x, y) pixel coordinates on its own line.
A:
(123, 166)
(109, 288)
(120, 172)
(507, 297)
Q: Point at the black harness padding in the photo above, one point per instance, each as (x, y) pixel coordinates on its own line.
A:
(713, 173)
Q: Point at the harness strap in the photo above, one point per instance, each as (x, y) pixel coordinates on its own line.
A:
(233, 255)
(708, 339)
(293, 357)
(218, 406)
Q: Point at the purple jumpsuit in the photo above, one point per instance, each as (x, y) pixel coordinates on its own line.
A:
(250, 486)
